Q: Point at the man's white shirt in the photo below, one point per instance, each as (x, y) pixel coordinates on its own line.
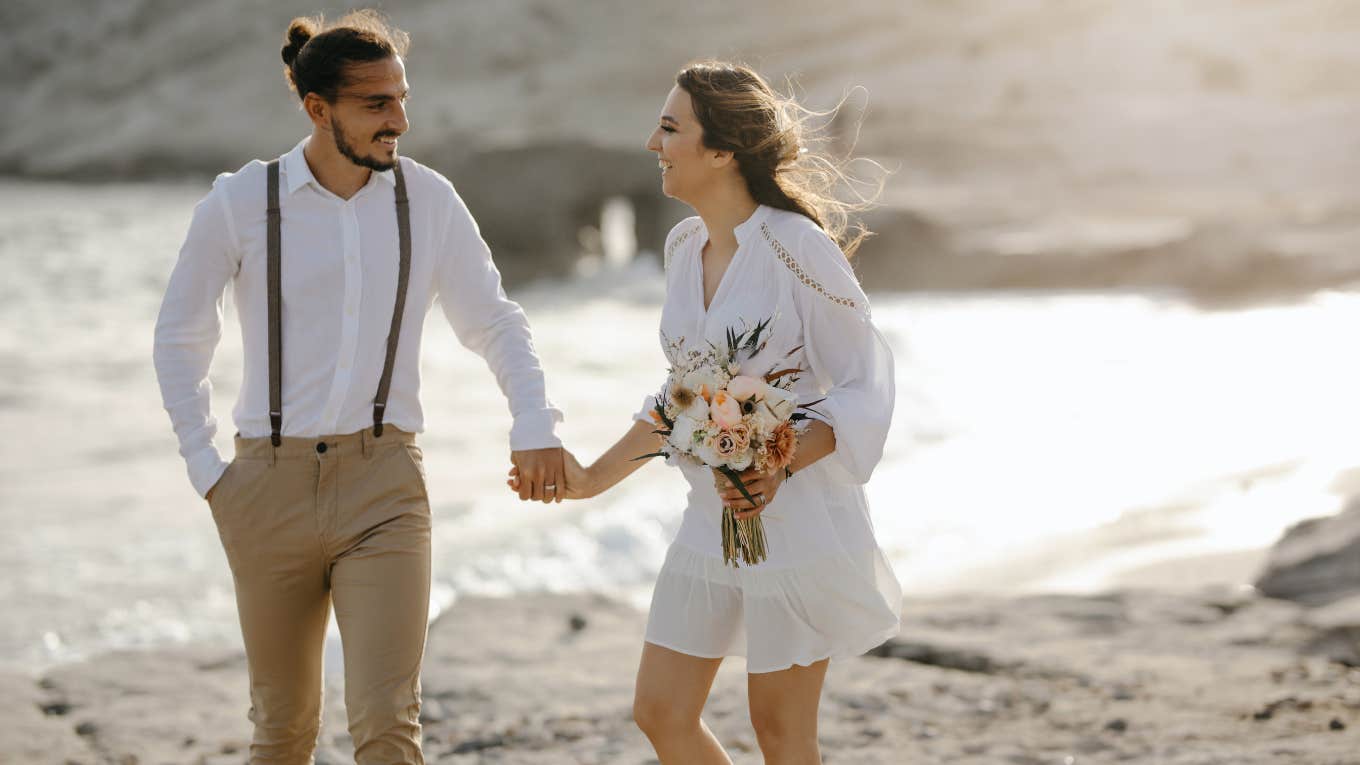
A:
(339, 277)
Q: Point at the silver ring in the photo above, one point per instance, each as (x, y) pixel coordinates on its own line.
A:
(760, 499)
(550, 487)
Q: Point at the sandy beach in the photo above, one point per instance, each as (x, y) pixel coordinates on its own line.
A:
(1214, 675)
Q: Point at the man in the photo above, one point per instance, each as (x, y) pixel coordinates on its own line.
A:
(336, 251)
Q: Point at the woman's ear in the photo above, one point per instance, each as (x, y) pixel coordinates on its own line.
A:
(719, 159)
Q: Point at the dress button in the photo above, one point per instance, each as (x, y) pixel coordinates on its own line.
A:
(321, 448)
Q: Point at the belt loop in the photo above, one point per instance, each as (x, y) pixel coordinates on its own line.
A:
(366, 438)
(273, 454)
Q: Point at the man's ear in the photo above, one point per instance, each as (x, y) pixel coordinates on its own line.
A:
(318, 110)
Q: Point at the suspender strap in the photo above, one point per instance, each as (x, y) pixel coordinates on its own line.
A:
(403, 277)
(275, 309)
(275, 304)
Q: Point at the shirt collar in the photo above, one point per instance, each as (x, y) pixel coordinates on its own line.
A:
(297, 173)
(747, 228)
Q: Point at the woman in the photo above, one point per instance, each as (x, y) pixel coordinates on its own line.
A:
(764, 244)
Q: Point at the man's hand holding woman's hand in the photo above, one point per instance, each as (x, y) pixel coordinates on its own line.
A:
(573, 483)
(540, 474)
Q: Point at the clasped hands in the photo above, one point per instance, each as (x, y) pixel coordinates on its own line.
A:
(552, 475)
(546, 475)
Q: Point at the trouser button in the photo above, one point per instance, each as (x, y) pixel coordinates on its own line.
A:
(321, 447)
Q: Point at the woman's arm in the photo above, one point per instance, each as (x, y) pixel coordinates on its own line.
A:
(613, 466)
(619, 461)
(816, 442)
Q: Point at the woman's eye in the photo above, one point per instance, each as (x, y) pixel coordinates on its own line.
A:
(668, 129)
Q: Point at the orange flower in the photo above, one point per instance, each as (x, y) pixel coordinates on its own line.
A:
(781, 446)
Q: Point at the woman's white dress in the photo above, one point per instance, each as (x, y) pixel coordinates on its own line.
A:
(826, 588)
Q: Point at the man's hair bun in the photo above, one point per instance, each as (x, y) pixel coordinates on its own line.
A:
(299, 32)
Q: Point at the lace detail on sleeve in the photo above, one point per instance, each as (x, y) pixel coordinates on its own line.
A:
(798, 271)
(675, 245)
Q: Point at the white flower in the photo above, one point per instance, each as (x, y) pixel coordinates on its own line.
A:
(698, 409)
(780, 401)
(763, 421)
(743, 460)
(706, 453)
(682, 435)
(704, 381)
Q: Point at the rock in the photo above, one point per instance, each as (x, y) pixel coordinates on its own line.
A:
(1341, 613)
(1269, 710)
(1317, 561)
(963, 659)
(1118, 725)
(1338, 644)
(479, 744)
(908, 250)
(567, 184)
(1336, 724)
(577, 622)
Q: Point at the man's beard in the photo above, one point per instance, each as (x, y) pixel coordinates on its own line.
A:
(372, 163)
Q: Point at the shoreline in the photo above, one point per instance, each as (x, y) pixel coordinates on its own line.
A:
(1148, 675)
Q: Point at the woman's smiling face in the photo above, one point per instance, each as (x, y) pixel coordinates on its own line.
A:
(679, 147)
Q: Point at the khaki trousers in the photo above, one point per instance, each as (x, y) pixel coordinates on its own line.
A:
(342, 519)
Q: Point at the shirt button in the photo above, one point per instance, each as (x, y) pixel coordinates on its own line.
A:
(321, 447)
(349, 310)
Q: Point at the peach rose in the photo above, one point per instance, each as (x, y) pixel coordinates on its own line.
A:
(724, 445)
(743, 387)
(741, 433)
(724, 410)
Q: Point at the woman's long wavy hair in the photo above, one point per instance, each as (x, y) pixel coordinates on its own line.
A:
(769, 136)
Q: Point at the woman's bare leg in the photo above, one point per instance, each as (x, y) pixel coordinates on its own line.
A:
(784, 713)
(671, 690)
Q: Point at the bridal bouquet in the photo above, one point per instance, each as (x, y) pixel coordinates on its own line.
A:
(717, 412)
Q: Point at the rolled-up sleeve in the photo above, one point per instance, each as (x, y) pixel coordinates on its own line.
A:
(849, 358)
(188, 329)
(495, 327)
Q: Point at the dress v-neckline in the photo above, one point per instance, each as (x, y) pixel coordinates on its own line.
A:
(722, 280)
(705, 310)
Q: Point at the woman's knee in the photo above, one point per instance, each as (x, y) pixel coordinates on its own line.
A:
(780, 729)
(659, 716)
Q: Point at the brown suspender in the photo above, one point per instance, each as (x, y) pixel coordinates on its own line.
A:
(275, 248)
(403, 276)
(275, 308)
